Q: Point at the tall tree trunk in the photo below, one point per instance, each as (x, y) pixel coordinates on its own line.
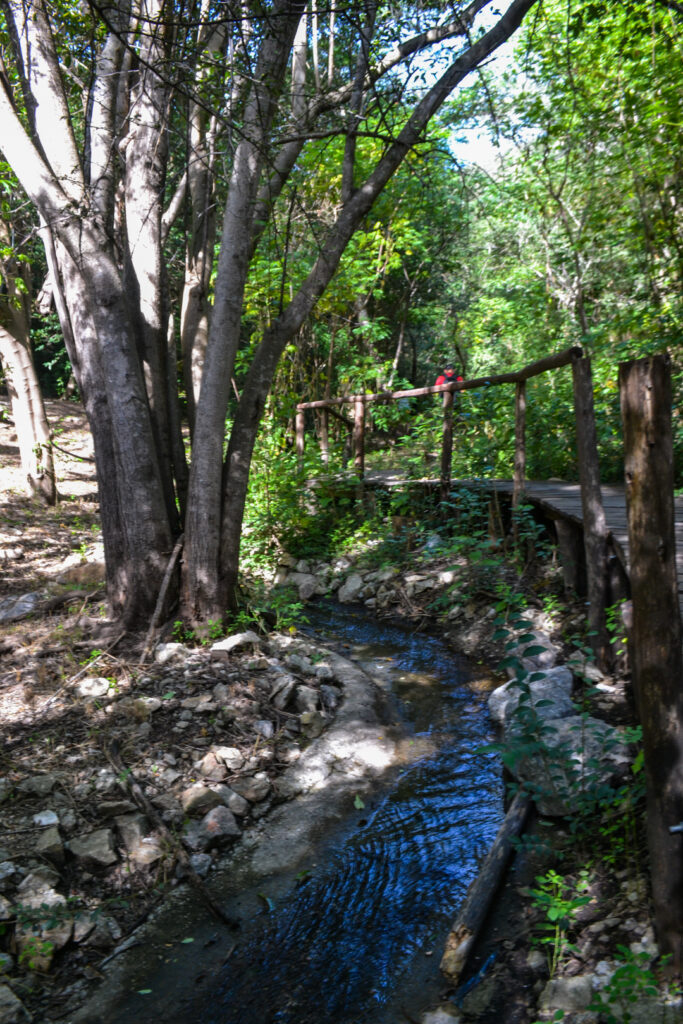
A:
(136, 529)
(655, 643)
(201, 238)
(145, 150)
(356, 101)
(201, 588)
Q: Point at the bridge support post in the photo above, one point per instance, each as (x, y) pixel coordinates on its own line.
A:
(299, 437)
(520, 443)
(359, 436)
(655, 647)
(594, 523)
(446, 444)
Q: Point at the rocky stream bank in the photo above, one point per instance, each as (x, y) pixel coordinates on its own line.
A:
(123, 786)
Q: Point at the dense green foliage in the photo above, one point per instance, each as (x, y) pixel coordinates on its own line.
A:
(575, 237)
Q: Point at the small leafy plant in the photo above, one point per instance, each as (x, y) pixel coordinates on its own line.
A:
(633, 981)
(36, 954)
(559, 900)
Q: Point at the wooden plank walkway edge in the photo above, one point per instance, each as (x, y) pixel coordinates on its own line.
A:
(559, 499)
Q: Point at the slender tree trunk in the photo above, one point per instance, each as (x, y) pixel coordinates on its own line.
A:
(28, 410)
(201, 588)
(655, 643)
(145, 157)
(330, 46)
(195, 308)
(594, 522)
(314, 37)
(356, 102)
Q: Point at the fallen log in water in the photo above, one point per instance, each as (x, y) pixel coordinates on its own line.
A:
(468, 923)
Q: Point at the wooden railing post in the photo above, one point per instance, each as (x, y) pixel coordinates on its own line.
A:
(594, 523)
(520, 443)
(299, 434)
(359, 436)
(655, 641)
(325, 436)
(446, 444)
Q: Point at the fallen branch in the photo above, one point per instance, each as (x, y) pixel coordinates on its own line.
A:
(72, 455)
(148, 809)
(165, 583)
(478, 900)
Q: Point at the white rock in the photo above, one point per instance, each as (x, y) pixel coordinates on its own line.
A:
(583, 668)
(323, 672)
(13, 608)
(299, 663)
(233, 801)
(199, 799)
(567, 993)
(218, 825)
(306, 698)
(166, 653)
(230, 756)
(543, 659)
(50, 846)
(350, 591)
(442, 1015)
(237, 642)
(95, 849)
(252, 788)
(306, 584)
(45, 818)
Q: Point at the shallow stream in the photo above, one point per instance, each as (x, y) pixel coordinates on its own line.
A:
(359, 938)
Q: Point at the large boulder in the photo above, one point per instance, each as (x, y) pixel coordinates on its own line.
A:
(533, 650)
(95, 850)
(549, 694)
(350, 591)
(578, 754)
(305, 582)
(199, 799)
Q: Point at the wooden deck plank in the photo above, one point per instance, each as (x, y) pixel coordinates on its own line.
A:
(563, 500)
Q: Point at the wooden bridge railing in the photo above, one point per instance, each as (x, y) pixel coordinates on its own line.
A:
(595, 527)
(517, 377)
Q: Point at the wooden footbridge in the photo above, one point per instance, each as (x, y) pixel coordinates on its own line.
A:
(640, 524)
(561, 502)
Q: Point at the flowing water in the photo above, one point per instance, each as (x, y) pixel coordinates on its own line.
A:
(359, 939)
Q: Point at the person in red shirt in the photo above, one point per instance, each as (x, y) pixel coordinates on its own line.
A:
(447, 375)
